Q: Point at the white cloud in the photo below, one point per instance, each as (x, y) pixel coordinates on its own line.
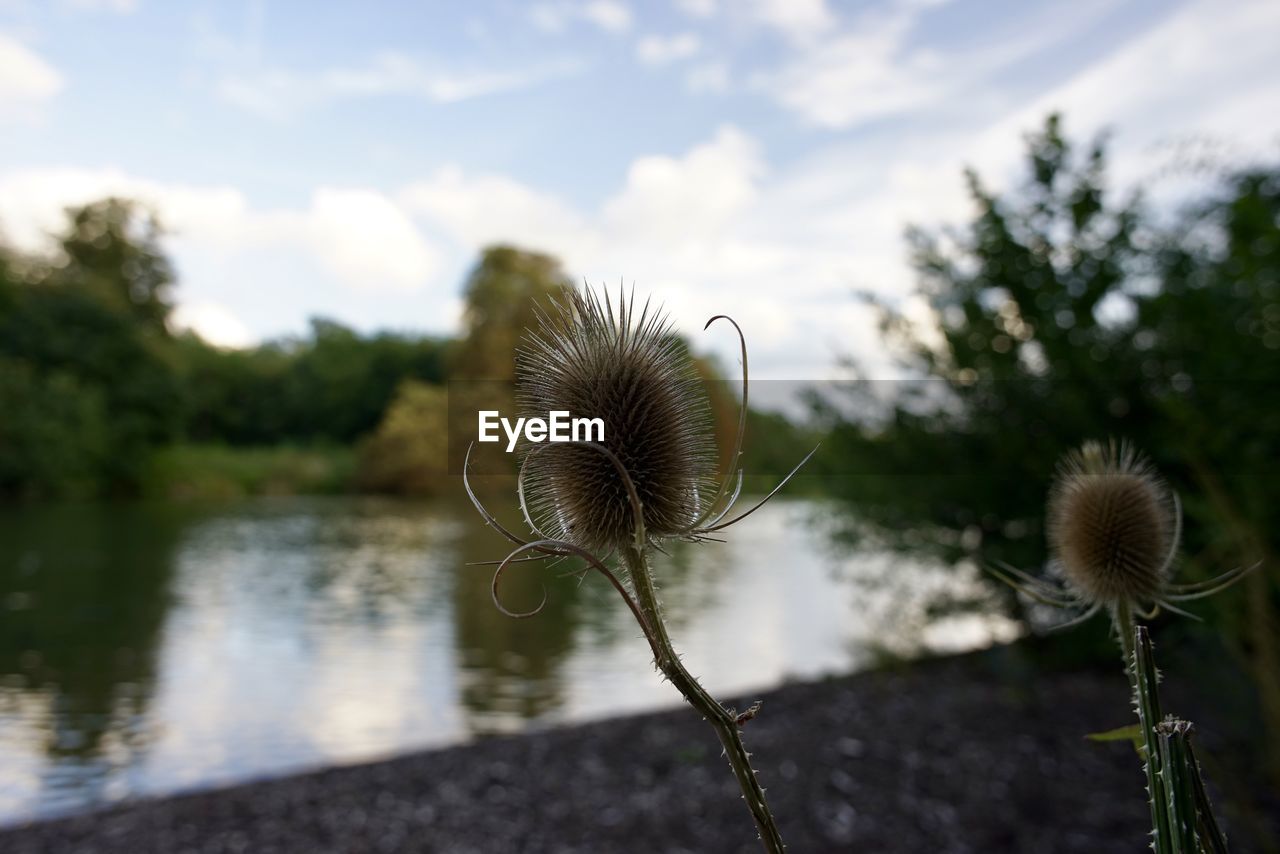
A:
(798, 20)
(278, 93)
(483, 209)
(876, 68)
(366, 239)
(692, 229)
(697, 8)
(673, 198)
(25, 78)
(119, 7)
(213, 322)
(612, 16)
(862, 74)
(1210, 67)
(663, 50)
(708, 78)
(713, 229)
(362, 237)
(551, 17)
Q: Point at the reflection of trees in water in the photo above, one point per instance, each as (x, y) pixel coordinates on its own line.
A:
(689, 578)
(898, 596)
(289, 566)
(85, 591)
(510, 669)
(374, 561)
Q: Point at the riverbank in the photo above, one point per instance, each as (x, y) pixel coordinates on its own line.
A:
(219, 472)
(974, 753)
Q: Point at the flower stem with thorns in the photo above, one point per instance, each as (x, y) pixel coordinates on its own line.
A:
(1114, 528)
(651, 479)
(724, 721)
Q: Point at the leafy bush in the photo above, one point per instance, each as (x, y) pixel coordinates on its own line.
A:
(408, 453)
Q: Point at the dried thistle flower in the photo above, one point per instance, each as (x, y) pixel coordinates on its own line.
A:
(651, 479)
(1114, 527)
(632, 373)
(1113, 530)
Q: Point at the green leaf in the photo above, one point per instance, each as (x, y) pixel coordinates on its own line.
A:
(1131, 732)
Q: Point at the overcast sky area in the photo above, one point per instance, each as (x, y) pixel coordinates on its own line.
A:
(758, 158)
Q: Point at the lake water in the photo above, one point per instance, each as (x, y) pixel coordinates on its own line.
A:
(146, 649)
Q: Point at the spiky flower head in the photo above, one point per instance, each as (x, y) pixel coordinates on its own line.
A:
(598, 360)
(1112, 525)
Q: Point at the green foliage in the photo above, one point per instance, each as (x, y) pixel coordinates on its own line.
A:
(89, 324)
(1022, 364)
(92, 383)
(1061, 316)
(53, 432)
(774, 446)
(111, 249)
(501, 293)
(209, 471)
(98, 396)
(330, 387)
(408, 454)
(1064, 314)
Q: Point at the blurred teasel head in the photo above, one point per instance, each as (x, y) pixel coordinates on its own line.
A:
(1113, 528)
(594, 359)
(1113, 524)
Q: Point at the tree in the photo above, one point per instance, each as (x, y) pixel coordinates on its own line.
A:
(331, 386)
(90, 323)
(1019, 364)
(501, 293)
(112, 248)
(1060, 314)
(407, 454)
(53, 432)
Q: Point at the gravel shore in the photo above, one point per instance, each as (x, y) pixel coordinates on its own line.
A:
(965, 754)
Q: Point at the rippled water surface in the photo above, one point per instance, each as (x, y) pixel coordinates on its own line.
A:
(146, 649)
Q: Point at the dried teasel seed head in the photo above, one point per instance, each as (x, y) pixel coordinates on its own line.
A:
(597, 360)
(1112, 524)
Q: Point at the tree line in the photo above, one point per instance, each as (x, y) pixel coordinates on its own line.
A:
(94, 380)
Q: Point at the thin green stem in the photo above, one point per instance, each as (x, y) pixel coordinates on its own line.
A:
(721, 719)
(1147, 704)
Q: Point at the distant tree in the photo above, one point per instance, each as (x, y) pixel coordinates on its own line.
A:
(1018, 364)
(111, 248)
(501, 292)
(1058, 314)
(406, 455)
(331, 386)
(53, 433)
(92, 319)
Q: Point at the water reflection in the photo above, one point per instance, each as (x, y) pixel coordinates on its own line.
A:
(510, 669)
(79, 637)
(145, 649)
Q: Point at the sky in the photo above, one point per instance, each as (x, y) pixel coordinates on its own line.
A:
(759, 158)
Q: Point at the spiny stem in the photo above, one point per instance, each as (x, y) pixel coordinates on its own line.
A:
(723, 720)
(1147, 704)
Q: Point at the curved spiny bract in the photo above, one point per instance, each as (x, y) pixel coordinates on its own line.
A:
(595, 360)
